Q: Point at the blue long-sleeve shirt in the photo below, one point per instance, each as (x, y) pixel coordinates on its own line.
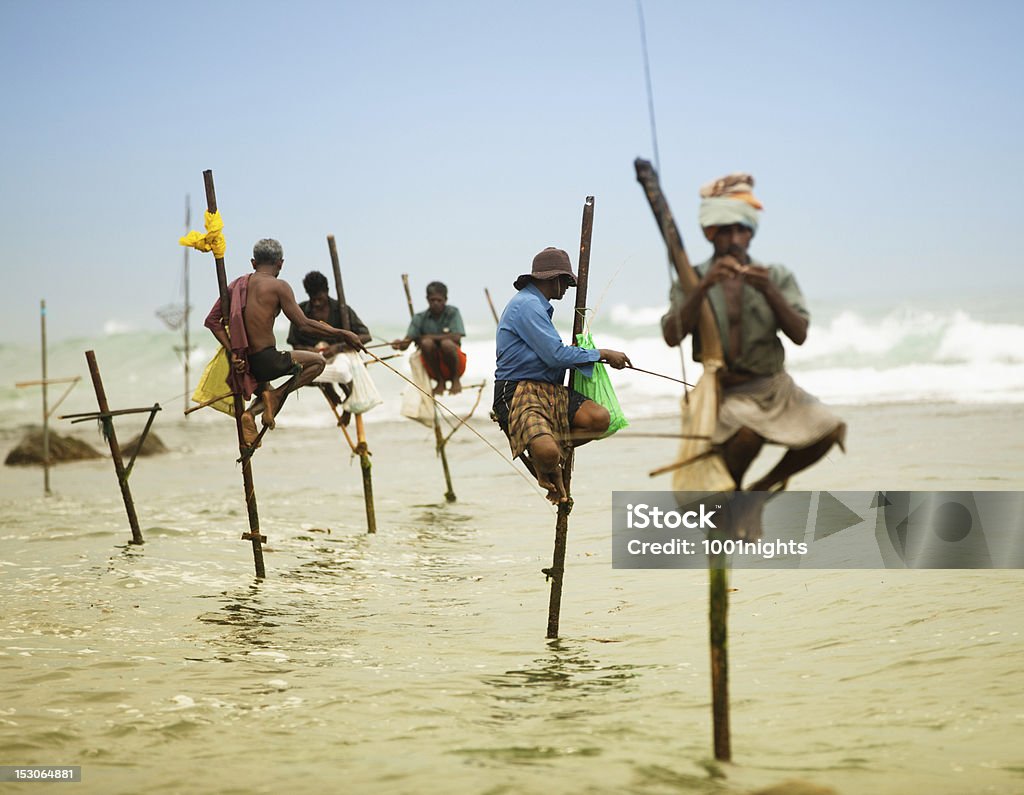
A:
(528, 346)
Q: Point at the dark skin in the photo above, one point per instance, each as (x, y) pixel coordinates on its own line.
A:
(267, 297)
(731, 268)
(437, 347)
(320, 309)
(589, 423)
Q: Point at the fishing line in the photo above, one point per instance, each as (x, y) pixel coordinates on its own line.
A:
(650, 90)
(498, 452)
(660, 375)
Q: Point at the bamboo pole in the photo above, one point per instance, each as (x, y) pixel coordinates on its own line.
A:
(711, 344)
(718, 636)
(46, 409)
(115, 449)
(490, 303)
(254, 534)
(188, 347)
(557, 569)
(439, 441)
(361, 449)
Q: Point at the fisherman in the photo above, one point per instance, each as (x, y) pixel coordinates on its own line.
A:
(751, 303)
(438, 333)
(322, 307)
(537, 413)
(256, 299)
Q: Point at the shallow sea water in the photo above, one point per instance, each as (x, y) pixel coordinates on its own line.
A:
(414, 661)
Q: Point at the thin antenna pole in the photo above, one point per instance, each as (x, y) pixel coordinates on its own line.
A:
(650, 90)
(188, 348)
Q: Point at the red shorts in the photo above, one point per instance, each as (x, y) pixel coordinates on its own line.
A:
(445, 375)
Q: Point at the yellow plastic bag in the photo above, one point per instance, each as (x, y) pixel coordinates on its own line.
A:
(213, 385)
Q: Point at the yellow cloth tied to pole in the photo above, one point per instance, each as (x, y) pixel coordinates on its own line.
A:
(213, 388)
(213, 240)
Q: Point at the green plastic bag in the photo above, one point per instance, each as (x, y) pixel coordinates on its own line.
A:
(599, 388)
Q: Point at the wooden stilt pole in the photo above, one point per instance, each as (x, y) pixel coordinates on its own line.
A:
(718, 622)
(46, 409)
(115, 449)
(254, 534)
(713, 357)
(490, 303)
(188, 347)
(557, 569)
(361, 449)
(439, 441)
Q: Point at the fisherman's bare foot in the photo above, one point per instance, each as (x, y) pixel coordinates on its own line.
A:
(271, 403)
(439, 389)
(456, 387)
(249, 432)
(552, 483)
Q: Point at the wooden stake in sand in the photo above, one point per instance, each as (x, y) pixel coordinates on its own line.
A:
(106, 418)
(254, 534)
(361, 449)
(564, 508)
(439, 439)
(47, 411)
(700, 469)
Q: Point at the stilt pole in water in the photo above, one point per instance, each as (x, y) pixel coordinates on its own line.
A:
(439, 441)
(557, 569)
(46, 409)
(361, 449)
(718, 618)
(115, 449)
(254, 534)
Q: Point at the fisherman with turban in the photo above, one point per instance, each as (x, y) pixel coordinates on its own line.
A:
(751, 304)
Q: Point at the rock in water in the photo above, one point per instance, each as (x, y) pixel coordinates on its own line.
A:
(29, 451)
(153, 446)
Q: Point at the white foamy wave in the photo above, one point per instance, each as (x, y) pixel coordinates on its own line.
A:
(114, 326)
(636, 317)
(968, 340)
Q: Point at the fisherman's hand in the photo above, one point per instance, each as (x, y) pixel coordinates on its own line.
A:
(757, 277)
(350, 338)
(400, 345)
(238, 363)
(616, 359)
(724, 268)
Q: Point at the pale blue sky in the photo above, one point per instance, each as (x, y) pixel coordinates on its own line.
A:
(453, 140)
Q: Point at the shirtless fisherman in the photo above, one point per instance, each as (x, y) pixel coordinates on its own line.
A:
(262, 297)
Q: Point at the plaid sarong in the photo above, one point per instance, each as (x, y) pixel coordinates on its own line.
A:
(538, 408)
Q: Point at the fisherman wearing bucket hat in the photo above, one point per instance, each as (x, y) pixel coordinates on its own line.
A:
(751, 304)
(541, 418)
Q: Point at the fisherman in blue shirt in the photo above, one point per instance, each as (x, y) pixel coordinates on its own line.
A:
(533, 408)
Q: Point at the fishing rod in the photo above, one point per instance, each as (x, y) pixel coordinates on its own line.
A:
(480, 436)
(660, 375)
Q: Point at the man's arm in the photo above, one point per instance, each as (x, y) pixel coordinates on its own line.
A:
(681, 321)
(214, 321)
(537, 331)
(306, 325)
(791, 321)
(412, 334)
